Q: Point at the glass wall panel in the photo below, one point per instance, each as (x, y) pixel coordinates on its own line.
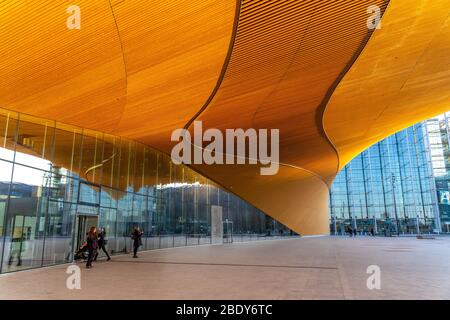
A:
(139, 163)
(67, 150)
(150, 223)
(89, 194)
(58, 242)
(92, 155)
(386, 188)
(131, 167)
(125, 165)
(5, 181)
(110, 162)
(124, 224)
(34, 143)
(108, 197)
(25, 221)
(62, 188)
(55, 176)
(8, 128)
(108, 221)
(150, 172)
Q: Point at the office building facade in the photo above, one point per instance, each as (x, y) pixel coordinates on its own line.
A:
(437, 130)
(390, 188)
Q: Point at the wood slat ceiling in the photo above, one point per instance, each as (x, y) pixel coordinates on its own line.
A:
(136, 69)
(174, 53)
(286, 58)
(50, 71)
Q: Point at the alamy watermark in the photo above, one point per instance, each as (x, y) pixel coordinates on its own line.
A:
(229, 148)
(374, 20)
(74, 20)
(374, 280)
(73, 281)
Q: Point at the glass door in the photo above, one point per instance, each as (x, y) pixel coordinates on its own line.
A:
(227, 231)
(84, 223)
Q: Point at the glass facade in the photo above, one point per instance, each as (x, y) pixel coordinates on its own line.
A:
(57, 180)
(389, 188)
(438, 137)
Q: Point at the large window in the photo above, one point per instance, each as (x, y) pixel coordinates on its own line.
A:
(390, 186)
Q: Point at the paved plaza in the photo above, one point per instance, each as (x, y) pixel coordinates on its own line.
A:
(299, 268)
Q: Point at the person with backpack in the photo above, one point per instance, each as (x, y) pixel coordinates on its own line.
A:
(350, 231)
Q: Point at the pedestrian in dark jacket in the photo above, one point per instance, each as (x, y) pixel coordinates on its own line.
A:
(350, 231)
(102, 244)
(92, 245)
(136, 235)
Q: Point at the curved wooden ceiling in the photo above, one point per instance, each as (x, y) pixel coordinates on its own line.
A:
(137, 70)
(140, 71)
(174, 54)
(280, 76)
(70, 75)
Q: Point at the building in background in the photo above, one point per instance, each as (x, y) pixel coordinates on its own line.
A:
(438, 138)
(391, 187)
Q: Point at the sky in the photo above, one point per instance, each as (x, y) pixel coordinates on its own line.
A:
(22, 174)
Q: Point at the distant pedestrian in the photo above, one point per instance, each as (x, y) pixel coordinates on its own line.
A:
(102, 244)
(17, 248)
(372, 233)
(350, 231)
(92, 245)
(354, 232)
(137, 240)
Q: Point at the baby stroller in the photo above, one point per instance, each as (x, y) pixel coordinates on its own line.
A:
(82, 252)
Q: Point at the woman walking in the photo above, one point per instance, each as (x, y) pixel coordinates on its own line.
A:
(102, 244)
(92, 245)
(137, 241)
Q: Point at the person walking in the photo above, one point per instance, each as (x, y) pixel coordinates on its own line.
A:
(136, 235)
(92, 245)
(17, 248)
(102, 244)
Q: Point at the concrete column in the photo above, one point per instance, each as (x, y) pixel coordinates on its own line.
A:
(417, 225)
(375, 227)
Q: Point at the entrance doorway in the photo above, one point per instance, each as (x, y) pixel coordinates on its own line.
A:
(84, 223)
(227, 231)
